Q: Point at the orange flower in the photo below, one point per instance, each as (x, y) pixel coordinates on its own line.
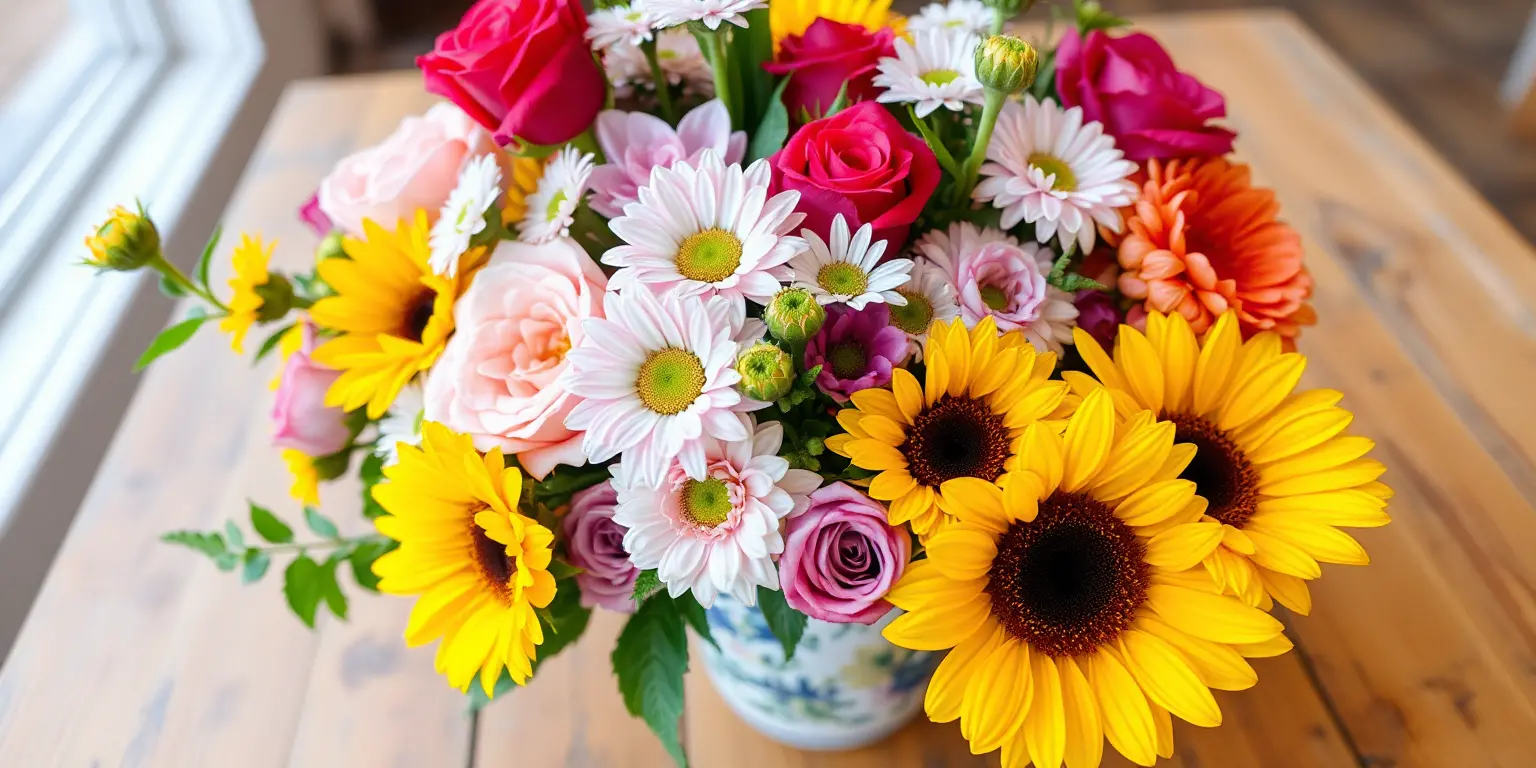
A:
(1202, 239)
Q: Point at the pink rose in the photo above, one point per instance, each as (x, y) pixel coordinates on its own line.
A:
(841, 558)
(635, 143)
(861, 163)
(310, 214)
(415, 168)
(300, 418)
(595, 544)
(1004, 280)
(829, 54)
(521, 68)
(499, 378)
(1131, 86)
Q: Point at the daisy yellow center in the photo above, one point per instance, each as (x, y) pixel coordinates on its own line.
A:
(994, 297)
(940, 77)
(842, 279)
(916, 316)
(495, 565)
(417, 314)
(957, 437)
(1051, 165)
(709, 256)
(1071, 581)
(706, 503)
(1220, 471)
(670, 380)
(553, 208)
(848, 361)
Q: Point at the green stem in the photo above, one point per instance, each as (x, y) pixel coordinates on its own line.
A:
(715, 48)
(998, 20)
(663, 88)
(989, 113)
(345, 541)
(171, 273)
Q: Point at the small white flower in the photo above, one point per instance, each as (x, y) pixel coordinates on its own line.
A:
(937, 69)
(402, 424)
(848, 270)
(682, 63)
(673, 13)
(969, 15)
(618, 24)
(552, 207)
(928, 299)
(1048, 168)
(463, 215)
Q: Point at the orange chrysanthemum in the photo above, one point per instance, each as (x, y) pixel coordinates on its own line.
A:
(1202, 239)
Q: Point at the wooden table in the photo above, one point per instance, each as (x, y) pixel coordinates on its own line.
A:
(140, 654)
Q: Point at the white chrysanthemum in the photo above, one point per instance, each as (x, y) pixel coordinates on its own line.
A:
(618, 24)
(674, 13)
(707, 230)
(402, 424)
(848, 269)
(463, 215)
(969, 15)
(552, 207)
(1048, 168)
(937, 69)
(718, 534)
(677, 51)
(929, 299)
(657, 380)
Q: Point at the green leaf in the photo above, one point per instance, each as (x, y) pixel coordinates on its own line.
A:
(362, 558)
(270, 343)
(1045, 78)
(268, 527)
(646, 584)
(256, 564)
(171, 288)
(227, 561)
(774, 128)
(563, 621)
(233, 535)
(786, 623)
(210, 544)
(302, 587)
(808, 378)
(750, 49)
(557, 489)
(477, 697)
(694, 614)
(320, 524)
(330, 590)
(649, 661)
(333, 465)
(562, 570)
(372, 473)
(171, 339)
(839, 103)
(200, 271)
(936, 144)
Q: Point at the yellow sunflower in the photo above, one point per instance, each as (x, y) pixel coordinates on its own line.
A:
(479, 566)
(1070, 620)
(250, 261)
(1279, 473)
(791, 17)
(982, 390)
(306, 481)
(526, 173)
(394, 315)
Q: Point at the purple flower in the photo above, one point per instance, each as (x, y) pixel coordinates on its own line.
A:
(310, 214)
(1098, 315)
(595, 544)
(841, 558)
(855, 349)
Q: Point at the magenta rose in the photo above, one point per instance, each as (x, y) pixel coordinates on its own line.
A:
(829, 54)
(841, 558)
(520, 68)
(310, 214)
(300, 418)
(1131, 86)
(861, 163)
(595, 544)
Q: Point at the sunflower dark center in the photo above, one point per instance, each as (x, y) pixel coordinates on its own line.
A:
(1220, 471)
(496, 566)
(956, 437)
(1072, 580)
(418, 314)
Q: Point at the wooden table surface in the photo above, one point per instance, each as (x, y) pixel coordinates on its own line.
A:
(140, 654)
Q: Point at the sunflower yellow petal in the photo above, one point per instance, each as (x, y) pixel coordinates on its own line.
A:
(936, 627)
(946, 691)
(1086, 444)
(1218, 665)
(975, 502)
(1080, 708)
(1297, 435)
(1287, 590)
(1213, 617)
(1045, 727)
(838, 444)
(914, 504)
(1259, 393)
(891, 484)
(1278, 645)
(1350, 508)
(1103, 367)
(998, 697)
(879, 402)
(849, 419)
(1218, 357)
(1179, 351)
(1334, 453)
(962, 552)
(1168, 679)
(1156, 502)
(908, 393)
(1183, 546)
(874, 455)
(1322, 543)
(1355, 473)
(957, 353)
(1042, 452)
(1141, 368)
(1278, 554)
(924, 583)
(1127, 718)
(883, 429)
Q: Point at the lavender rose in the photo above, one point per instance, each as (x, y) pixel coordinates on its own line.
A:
(841, 558)
(596, 545)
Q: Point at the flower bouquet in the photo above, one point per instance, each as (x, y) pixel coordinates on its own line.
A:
(814, 309)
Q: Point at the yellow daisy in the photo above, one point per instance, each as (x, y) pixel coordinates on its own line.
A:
(306, 481)
(791, 17)
(981, 391)
(526, 173)
(250, 260)
(1069, 619)
(394, 315)
(1275, 464)
(480, 567)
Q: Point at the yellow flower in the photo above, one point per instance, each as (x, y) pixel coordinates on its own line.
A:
(124, 242)
(1275, 464)
(526, 173)
(306, 481)
(479, 567)
(791, 17)
(982, 390)
(250, 259)
(1073, 609)
(394, 315)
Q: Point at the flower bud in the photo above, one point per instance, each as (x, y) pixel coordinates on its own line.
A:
(793, 315)
(767, 372)
(1009, 8)
(330, 247)
(125, 242)
(1006, 63)
(276, 298)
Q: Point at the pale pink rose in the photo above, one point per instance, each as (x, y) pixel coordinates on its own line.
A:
(499, 377)
(635, 143)
(300, 418)
(595, 544)
(415, 168)
(1004, 280)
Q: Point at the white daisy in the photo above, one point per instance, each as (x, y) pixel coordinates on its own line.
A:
(848, 271)
(675, 13)
(552, 207)
(402, 424)
(969, 15)
(618, 24)
(929, 299)
(937, 69)
(1048, 168)
(709, 229)
(720, 533)
(681, 62)
(463, 215)
(658, 382)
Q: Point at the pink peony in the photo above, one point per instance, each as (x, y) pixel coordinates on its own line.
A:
(841, 557)
(416, 167)
(636, 142)
(595, 544)
(300, 418)
(499, 377)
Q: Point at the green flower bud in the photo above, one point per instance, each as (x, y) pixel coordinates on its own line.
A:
(767, 372)
(1006, 63)
(794, 316)
(330, 247)
(276, 298)
(125, 242)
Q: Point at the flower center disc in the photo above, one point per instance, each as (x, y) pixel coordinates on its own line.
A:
(418, 314)
(553, 209)
(1072, 580)
(916, 316)
(940, 77)
(956, 437)
(496, 567)
(670, 380)
(1050, 165)
(994, 297)
(709, 256)
(848, 361)
(842, 279)
(1220, 472)
(706, 503)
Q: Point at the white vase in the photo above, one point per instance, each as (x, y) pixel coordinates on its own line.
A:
(845, 688)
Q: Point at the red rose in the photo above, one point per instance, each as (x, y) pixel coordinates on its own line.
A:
(1131, 86)
(861, 163)
(827, 55)
(520, 68)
